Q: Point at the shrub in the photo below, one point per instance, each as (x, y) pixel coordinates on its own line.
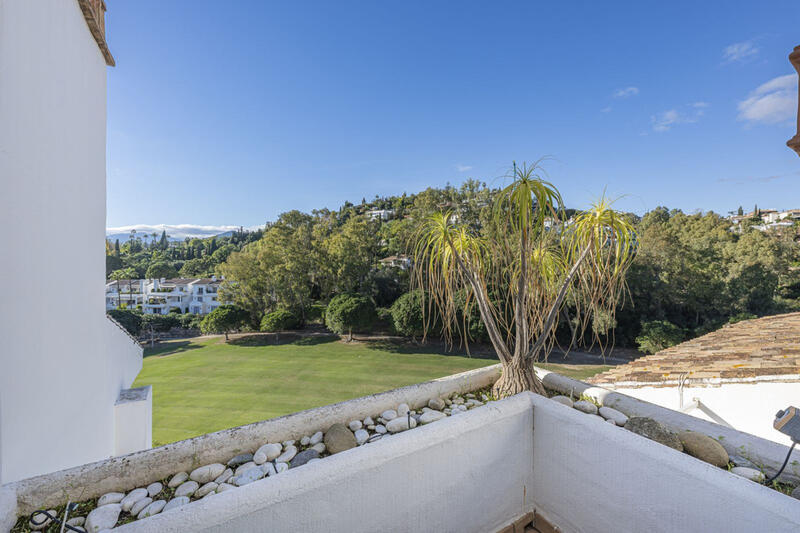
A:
(383, 321)
(348, 312)
(316, 313)
(407, 314)
(658, 335)
(280, 320)
(224, 319)
(190, 321)
(159, 322)
(130, 320)
(741, 316)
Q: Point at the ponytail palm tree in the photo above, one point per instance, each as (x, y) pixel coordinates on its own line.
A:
(520, 273)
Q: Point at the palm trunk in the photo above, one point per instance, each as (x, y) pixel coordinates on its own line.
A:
(518, 376)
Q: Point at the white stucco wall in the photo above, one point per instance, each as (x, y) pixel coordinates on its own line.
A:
(748, 407)
(133, 420)
(56, 398)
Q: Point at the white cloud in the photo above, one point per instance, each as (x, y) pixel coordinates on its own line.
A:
(772, 102)
(606, 109)
(688, 114)
(463, 168)
(739, 52)
(176, 231)
(626, 92)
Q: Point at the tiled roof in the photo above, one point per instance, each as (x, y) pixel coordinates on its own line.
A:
(768, 346)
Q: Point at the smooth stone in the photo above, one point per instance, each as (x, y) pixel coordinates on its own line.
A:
(186, 489)
(253, 474)
(45, 521)
(402, 409)
(109, 498)
(133, 496)
(316, 438)
(653, 430)
(225, 476)
(371, 427)
(304, 457)
(610, 421)
(369, 421)
(750, 473)
(319, 447)
(448, 401)
(267, 452)
(339, 438)
(585, 407)
(400, 424)
(281, 467)
(609, 413)
(77, 521)
(305, 441)
(154, 488)
(268, 469)
(355, 425)
(389, 414)
(152, 509)
(437, 404)
(177, 479)
(207, 473)
(174, 503)
(431, 416)
(244, 468)
(564, 400)
(704, 448)
(288, 443)
(361, 436)
(458, 400)
(287, 456)
(139, 506)
(205, 489)
(224, 486)
(470, 395)
(240, 459)
(796, 493)
(381, 429)
(104, 517)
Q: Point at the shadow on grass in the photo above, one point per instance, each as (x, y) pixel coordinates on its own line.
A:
(277, 339)
(170, 348)
(435, 348)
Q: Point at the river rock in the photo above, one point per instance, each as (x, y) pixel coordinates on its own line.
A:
(205, 489)
(369, 421)
(267, 452)
(402, 409)
(109, 498)
(304, 457)
(241, 469)
(174, 503)
(177, 479)
(316, 438)
(240, 459)
(152, 509)
(133, 496)
(381, 429)
(361, 436)
(389, 414)
(399, 424)
(609, 413)
(42, 521)
(319, 447)
(796, 493)
(355, 425)
(431, 416)
(223, 477)
(305, 441)
(750, 473)
(253, 474)
(154, 488)
(186, 489)
(585, 407)
(224, 486)
(268, 469)
(77, 521)
(437, 404)
(704, 448)
(653, 430)
(139, 506)
(281, 467)
(207, 473)
(104, 517)
(287, 455)
(564, 400)
(338, 438)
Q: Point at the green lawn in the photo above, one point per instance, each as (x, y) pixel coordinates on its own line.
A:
(204, 385)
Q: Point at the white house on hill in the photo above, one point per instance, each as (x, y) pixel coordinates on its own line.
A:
(65, 373)
(159, 296)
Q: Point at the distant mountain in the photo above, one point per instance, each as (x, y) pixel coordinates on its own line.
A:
(177, 232)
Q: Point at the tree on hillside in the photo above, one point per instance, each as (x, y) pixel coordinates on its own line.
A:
(223, 319)
(161, 269)
(519, 278)
(348, 312)
(740, 211)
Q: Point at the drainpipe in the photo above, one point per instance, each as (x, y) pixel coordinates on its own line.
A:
(794, 142)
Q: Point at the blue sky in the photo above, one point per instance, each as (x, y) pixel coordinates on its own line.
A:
(231, 113)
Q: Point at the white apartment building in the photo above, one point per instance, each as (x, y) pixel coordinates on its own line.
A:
(64, 376)
(159, 296)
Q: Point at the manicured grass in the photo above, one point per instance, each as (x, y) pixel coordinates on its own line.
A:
(204, 385)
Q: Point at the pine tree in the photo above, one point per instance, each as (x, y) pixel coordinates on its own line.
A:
(740, 212)
(116, 248)
(162, 243)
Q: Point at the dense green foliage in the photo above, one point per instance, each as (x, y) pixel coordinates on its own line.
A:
(349, 312)
(280, 320)
(658, 335)
(128, 319)
(223, 319)
(407, 314)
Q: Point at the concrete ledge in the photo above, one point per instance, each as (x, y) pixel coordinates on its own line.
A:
(761, 452)
(137, 469)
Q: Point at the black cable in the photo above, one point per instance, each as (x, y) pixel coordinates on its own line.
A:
(785, 462)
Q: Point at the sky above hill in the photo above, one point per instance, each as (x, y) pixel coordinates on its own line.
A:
(229, 113)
